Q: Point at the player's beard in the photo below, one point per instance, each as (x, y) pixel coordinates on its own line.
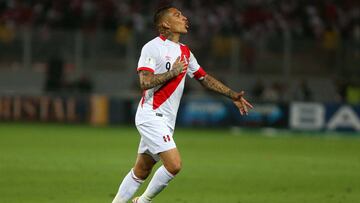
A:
(184, 29)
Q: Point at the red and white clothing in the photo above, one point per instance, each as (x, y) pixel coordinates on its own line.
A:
(161, 103)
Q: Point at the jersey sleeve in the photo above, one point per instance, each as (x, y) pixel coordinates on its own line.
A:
(147, 60)
(194, 69)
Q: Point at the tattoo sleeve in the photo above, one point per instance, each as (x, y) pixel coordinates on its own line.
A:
(149, 80)
(215, 85)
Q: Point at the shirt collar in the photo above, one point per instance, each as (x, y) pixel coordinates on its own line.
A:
(162, 37)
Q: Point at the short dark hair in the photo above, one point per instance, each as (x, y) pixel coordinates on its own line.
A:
(160, 13)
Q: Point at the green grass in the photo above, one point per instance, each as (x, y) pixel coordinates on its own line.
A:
(81, 164)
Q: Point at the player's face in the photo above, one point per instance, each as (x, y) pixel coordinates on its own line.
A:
(177, 22)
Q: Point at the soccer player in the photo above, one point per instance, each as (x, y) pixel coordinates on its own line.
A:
(162, 67)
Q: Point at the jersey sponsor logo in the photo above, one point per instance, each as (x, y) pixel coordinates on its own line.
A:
(167, 138)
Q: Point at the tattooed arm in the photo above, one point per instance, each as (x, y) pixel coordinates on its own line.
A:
(215, 85)
(149, 80)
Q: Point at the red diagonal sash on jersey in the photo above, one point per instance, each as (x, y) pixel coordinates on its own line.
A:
(165, 91)
(143, 98)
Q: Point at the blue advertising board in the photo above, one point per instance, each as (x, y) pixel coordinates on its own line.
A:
(217, 112)
(203, 112)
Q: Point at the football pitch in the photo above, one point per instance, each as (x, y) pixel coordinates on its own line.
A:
(50, 163)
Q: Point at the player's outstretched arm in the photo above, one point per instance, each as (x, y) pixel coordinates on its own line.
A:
(215, 85)
(149, 79)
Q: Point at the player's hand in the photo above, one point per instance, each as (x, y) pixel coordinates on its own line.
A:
(179, 66)
(242, 104)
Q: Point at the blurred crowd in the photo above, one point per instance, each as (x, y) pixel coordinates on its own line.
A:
(301, 17)
(334, 26)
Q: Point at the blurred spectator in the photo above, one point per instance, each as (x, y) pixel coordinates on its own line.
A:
(123, 35)
(248, 47)
(271, 93)
(221, 46)
(330, 43)
(342, 85)
(333, 25)
(7, 34)
(353, 95)
(303, 91)
(258, 90)
(54, 80)
(83, 85)
(356, 37)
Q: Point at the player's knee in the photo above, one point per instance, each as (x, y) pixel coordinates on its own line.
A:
(142, 172)
(174, 168)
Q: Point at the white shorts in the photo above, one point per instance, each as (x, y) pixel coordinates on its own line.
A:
(156, 137)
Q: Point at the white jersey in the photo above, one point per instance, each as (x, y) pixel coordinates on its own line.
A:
(162, 102)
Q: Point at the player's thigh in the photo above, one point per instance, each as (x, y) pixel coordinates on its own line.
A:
(171, 159)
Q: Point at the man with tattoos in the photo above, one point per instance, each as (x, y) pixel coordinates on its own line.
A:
(162, 67)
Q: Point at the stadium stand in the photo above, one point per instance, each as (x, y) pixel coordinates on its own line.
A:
(278, 42)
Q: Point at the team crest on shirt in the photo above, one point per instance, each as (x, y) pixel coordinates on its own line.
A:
(166, 138)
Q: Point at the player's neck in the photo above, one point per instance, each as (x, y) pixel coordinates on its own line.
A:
(174, 37)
